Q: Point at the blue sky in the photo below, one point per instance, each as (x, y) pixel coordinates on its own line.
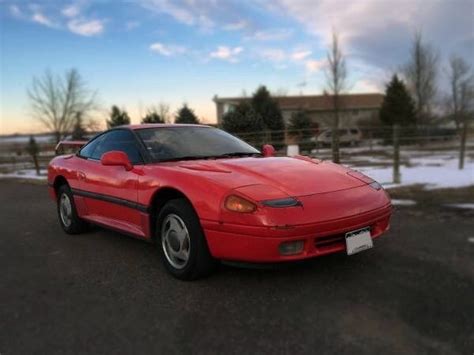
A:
(139, 53)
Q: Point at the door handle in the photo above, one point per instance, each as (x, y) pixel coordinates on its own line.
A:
(81, 176)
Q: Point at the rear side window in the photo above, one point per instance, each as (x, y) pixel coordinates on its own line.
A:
(354, 131)
(121, 140)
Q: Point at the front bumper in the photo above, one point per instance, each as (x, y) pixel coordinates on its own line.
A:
(246, 243)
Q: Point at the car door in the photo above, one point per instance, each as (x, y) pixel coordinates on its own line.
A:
(110, 192)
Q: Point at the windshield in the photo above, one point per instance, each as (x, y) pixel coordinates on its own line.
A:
(193, 142)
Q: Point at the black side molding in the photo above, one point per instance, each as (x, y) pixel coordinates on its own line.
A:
(111, 199)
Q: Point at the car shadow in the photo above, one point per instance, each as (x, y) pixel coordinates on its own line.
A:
(310, 269)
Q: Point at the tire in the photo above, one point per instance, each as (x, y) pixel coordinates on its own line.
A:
(181, 241)
(68, 218)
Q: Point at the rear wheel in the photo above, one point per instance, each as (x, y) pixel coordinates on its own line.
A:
(181, 241)
(67, 214)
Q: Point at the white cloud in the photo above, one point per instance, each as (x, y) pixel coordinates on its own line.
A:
(38, 17)
(15, 11)
(226, 53)
(85, 27)
(75, 23)
(366, 86)
(72, 10)
(205, 23)
(370, 27)
(300, 55)
(166, 50)
(236, 26)
(313, 65)
(351, 18)
(179, 13)
(273, 54)
(200, 13)
(278, 34)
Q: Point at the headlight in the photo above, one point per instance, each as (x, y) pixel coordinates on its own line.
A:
(375, 185)
(282, 202)
(359, 176)
(238, 204)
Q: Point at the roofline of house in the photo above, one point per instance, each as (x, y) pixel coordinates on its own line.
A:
(342, 108)
(238, 98)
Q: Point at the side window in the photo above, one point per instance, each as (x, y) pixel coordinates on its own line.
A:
(121, 140)
(88, 149)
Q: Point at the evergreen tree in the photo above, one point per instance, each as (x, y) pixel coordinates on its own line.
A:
(33, 151)
(118, 117)
(246, 122)
(269, 110)
(186, 115)
(398, 107)
(300, 127)
(152, 117)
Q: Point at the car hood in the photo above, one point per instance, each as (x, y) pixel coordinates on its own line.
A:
(264, 178)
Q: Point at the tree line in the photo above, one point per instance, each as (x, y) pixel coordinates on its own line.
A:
(64, 104)
(161, 114)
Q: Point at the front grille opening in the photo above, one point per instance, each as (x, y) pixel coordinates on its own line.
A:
(330, 241)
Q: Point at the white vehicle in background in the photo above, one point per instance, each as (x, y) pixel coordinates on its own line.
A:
(347, 136)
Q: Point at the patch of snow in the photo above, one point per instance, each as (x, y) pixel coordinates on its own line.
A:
(434, 177)
(23, 139)
(352, 150)
(396, 202)
(432, 160)
(467, 206)
(27, 174)
(370, 159)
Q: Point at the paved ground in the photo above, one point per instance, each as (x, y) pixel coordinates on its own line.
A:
(105, 293)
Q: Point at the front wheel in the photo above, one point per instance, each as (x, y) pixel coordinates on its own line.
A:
(67, 214)
(181, 241)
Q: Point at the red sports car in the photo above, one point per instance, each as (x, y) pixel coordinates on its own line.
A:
(204, 195)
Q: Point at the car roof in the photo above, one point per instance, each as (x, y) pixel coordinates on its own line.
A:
(161, 125)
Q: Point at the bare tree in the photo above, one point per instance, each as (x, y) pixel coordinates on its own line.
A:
(158, 114)
(459, 76)
(336, 81)
(421, 76)
(93, 125)
(57, 101)
(163, 110)
(460, 99)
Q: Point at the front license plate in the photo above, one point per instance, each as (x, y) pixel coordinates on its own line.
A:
(358, 240)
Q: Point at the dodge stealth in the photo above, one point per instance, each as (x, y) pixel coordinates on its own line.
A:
(203, 195)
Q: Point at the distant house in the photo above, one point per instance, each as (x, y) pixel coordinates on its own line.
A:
(356, 109)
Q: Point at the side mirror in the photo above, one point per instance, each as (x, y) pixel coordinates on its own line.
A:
(116, 158)
(268, 150)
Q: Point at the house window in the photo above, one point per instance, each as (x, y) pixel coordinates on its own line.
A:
(229, 107)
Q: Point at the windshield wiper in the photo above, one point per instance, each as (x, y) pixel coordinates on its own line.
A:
(237, 154)
(186, 157)
(219, 156)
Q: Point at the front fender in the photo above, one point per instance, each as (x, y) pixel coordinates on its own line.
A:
(203, 193)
